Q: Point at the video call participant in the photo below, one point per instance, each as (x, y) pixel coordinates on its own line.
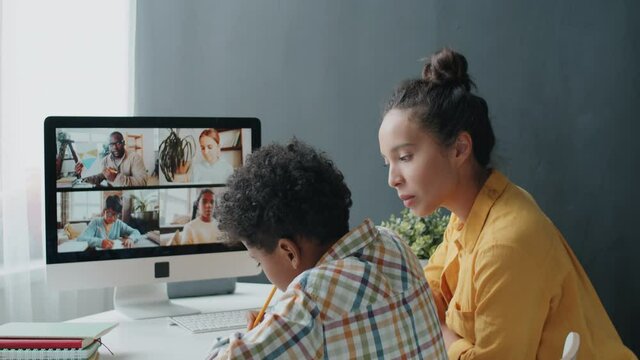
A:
(506, 282)
(210, 167)
(103, 230)
(120, 167)
(356, 294)
(203, 228)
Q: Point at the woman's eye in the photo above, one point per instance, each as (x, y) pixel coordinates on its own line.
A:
(258, 265)
(405, 158)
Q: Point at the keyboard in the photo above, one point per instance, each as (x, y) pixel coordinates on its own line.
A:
(214, 321)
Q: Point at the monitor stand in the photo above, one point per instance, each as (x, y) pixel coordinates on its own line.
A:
(147, 301)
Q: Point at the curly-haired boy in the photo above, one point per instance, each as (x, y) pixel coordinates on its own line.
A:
(347, 294)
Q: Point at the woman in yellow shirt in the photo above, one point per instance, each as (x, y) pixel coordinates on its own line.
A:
(506, 283)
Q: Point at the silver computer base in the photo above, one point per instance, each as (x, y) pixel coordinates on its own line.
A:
(147, 301)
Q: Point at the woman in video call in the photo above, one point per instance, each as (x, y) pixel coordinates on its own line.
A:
(203, 228)
(101, 232)
(210, 167)
(505, 281)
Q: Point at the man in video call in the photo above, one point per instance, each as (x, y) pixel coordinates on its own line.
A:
(119, 167)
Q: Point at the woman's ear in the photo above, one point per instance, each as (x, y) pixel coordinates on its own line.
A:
(463, 147)
(290, 252)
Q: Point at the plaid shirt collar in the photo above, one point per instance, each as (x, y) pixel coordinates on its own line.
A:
(355, 240)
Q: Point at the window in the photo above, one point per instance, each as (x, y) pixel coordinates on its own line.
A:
(72, 57)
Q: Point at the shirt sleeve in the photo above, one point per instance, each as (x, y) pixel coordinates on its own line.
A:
(97, 178)
(292, 330)
(433, 273)
(126, 230)
(89, 234)
(511, 307)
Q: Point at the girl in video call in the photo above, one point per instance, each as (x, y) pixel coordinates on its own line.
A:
(506, 283)
(103, 232)
(210, 167)
(203, 228)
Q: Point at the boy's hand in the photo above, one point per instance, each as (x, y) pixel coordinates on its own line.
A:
(251, 317)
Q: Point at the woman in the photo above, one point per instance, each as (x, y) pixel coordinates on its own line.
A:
(211, 168)
(103, 232)
(203, 228)
(506, 283)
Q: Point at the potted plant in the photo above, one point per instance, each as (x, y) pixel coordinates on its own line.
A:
(144, 206)
(422, 234)
(175, 155)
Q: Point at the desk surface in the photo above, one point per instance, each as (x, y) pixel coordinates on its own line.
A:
(157, 339)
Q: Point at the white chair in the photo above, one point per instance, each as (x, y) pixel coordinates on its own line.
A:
(571, 346)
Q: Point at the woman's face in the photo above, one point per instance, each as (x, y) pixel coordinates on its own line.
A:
(420, 168)
(205, 207)
(109, 216)
(210, 149)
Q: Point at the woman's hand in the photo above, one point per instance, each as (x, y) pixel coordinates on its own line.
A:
(106, 244)
(448, 335)
(126, 242)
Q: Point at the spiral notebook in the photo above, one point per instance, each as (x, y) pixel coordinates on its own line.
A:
(88, 353)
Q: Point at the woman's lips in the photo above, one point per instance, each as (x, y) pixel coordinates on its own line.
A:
(407, 200)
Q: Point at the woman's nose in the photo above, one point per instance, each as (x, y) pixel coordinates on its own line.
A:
(395, 178)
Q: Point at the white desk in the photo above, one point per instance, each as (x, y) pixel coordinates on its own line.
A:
(157, 339)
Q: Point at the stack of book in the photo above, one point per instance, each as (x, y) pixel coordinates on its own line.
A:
(60, 340)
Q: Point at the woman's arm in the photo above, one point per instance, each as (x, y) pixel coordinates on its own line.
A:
(433, 273)
(511, 306)
(128, 231)
(93, 233)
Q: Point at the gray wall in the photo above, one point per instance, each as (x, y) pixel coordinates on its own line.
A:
(560, 78)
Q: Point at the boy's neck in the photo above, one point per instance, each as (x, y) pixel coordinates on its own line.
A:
(312, 252)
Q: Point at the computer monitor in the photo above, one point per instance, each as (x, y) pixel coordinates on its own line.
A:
(128, 203)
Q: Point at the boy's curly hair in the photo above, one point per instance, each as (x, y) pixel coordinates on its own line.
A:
(285, 191)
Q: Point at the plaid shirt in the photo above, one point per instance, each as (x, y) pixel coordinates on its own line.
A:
(367, 298)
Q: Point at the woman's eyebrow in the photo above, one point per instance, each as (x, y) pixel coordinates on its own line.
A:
(400, 146)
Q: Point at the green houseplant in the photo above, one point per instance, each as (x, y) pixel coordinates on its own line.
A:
(422, 234)
(144, 205)
(175, 154)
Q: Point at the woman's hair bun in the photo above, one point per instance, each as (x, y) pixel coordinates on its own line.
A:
(447, 68)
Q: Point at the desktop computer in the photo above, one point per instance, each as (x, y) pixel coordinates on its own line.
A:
(129, 202)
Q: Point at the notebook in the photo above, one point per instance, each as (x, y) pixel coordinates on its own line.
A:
(90, 352)
(44, 343)
(55, 330)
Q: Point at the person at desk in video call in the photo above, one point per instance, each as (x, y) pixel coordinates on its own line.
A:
(107, 231)
(203, 228)
(356, 294)
(120, 167)
(210, 167)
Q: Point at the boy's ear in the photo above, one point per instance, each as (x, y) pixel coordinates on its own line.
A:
(290, 251)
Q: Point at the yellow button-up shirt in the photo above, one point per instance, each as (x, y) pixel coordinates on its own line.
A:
(507, 282)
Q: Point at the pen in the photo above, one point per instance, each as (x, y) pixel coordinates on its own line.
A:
(264, 308)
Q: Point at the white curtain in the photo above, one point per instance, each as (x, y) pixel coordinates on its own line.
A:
(67, 57)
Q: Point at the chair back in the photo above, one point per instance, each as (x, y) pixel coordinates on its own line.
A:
(571, 346)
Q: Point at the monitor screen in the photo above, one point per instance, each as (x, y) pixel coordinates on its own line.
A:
(139, 192)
